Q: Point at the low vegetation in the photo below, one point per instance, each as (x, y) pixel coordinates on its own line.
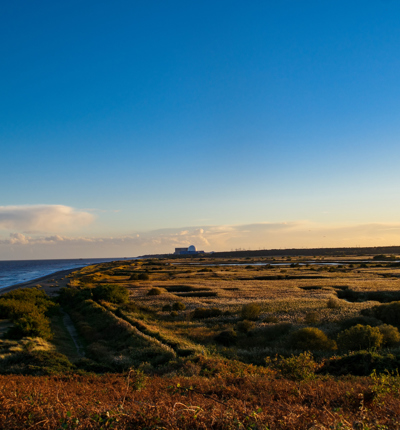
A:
(170, 344)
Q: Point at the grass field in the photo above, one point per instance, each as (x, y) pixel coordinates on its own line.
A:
(208, 343)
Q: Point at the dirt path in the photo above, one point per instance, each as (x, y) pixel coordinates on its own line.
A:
(69, 325)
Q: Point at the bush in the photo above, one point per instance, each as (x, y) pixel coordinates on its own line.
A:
(271, 333)
(250, 311)
(270, 319)
(37, 363)
(360, 337)
(143, 277)
(373, 322)
(312, 318)
(333, 303)
(111, 293)
(245, 326)
(201, 313)
(32, 325)
(178, 306)
(155, 292)
(226, 337)
(391, 335)
(361, 363)
(167, 308)
(388, 313)
(311, 339)
(297, 367)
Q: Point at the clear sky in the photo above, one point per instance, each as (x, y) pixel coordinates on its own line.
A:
(132, 127)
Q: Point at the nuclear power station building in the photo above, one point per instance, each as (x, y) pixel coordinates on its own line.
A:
(191, 250)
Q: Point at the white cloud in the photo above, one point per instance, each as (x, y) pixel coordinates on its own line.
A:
(300, 234)
(42, 218)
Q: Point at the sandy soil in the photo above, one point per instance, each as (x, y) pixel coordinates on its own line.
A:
(50, 283)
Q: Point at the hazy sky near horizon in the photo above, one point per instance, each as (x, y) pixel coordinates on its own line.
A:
(132, 127)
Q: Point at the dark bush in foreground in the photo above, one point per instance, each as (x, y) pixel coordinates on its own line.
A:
(361, 363)
(37, 363)
(311, 339)
(226, 337)
(32, 325)
(360, 337)
(27, 309)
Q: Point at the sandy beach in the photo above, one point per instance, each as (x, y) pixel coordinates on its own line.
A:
(50, 283)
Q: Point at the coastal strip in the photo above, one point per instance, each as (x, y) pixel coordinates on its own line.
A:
(51, 283)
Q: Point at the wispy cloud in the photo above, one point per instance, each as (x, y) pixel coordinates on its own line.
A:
(301, 234)
(42, 218)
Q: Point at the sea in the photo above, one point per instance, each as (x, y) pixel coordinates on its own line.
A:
(16, 271)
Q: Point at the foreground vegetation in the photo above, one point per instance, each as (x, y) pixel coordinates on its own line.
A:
(205, 343)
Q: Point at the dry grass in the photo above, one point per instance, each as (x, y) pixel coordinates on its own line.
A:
(230, 402)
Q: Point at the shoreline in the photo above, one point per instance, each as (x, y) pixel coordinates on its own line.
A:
(51, 282)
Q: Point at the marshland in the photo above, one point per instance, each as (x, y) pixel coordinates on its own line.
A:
(205, 342)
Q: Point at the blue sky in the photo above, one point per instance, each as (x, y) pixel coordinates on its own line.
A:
(157, 118)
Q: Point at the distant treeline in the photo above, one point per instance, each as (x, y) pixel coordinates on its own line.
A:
(309, 252)
(328, 252)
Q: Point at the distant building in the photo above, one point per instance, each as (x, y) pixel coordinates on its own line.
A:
(191, 250)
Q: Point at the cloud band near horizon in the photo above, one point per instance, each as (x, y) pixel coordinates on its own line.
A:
(300, 234)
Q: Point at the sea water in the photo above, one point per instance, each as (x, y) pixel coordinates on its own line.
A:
(17, 271)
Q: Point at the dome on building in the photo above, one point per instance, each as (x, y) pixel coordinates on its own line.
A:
(192, 248)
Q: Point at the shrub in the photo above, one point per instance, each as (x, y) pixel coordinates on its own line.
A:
(391, 335)
(360, 363)
(388, 313)
(373, 322)
(360, 337)
(143, 277)
(134, 277)
(33, 325)
(167, 308)
(129, 307)
(270, 319)
(297, 367)
(250, 311)
(311, 339)
(333, 303)
(178, 306)
(271, 333)
(245, 326)
(226, 337)
(155, 292)
(312, 318)
(174, 314)
(201, 313)
(111, 293)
